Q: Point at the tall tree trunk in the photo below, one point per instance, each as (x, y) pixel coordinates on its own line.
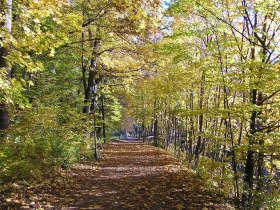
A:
(186, 136)
(249, 166)
(4, 115)
(247, 196)
(156, 131)
(90, 98)
(143, 131)
(260, 162)
(228, 125)
(92, 81)
(191, 130)
(84, 69)
(198, 148)
(94, 107)
(103, 117)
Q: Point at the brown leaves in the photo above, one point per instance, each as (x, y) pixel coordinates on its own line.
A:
(179, 206)
(129, 176)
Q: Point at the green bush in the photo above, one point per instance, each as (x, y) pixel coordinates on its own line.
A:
(38, 143)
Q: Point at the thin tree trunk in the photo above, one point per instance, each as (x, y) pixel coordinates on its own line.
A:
(200, 120)
(191, 131)
(156, 131)
(103, 117)
(94, 103)
(247, 195)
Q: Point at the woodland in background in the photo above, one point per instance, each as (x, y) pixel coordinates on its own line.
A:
(200, 76)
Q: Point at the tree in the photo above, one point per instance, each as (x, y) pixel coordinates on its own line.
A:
(6, 29)
(218, 58)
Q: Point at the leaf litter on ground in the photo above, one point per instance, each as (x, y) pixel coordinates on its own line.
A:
(130, 175)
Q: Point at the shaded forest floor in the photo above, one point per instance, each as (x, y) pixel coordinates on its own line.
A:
(129, 175)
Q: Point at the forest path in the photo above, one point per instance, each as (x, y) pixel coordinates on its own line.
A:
(129, 175)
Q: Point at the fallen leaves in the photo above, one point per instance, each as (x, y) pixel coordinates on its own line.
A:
(180, 206)
(129, 176)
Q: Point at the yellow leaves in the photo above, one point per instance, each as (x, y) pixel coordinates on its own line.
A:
(70, 21)
(122, 3)
(141, 25)
(9, 200)
(2, 155)
(3, 80)
(24, 60)
(34, 31)
(52, 52)
(26, 29)
(180, 206)
(95, 207)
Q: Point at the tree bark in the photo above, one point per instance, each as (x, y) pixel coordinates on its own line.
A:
(200, 120)
(191, 131)
(247, 196)
(103, 117)
(91, 78)
(7, 24)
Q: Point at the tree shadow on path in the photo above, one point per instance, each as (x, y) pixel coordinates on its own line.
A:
(130, 175)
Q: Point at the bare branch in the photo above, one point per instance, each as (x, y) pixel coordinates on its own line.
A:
(229, 24)
(268, 97)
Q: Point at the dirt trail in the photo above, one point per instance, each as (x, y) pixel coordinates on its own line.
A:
(129, 175)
